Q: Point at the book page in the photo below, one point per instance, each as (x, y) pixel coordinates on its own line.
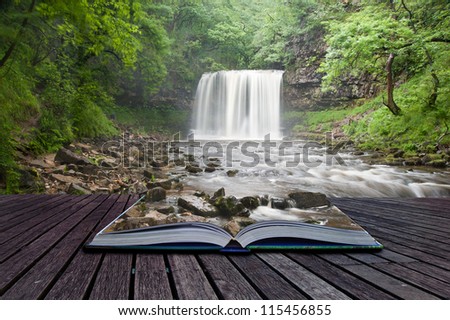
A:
(231, 213)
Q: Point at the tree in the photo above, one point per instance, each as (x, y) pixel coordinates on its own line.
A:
(373, 38)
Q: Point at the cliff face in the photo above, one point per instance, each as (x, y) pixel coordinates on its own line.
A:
(302, 80)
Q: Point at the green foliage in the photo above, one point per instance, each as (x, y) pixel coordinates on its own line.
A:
(418, 129)
(166, 120)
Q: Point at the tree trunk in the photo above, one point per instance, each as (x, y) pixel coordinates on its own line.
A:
(390, 87)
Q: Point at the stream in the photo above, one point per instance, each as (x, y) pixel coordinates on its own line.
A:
(278, 170)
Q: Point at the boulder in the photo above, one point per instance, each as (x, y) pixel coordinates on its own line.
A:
(210, 169)
(193, 169)
(309, 199)
(198, 206)
(165, 184)
(65, 156)
(250, 202)
(156, 194)
(219, 193)
(279, 203)
(230, 207)
(29, 179)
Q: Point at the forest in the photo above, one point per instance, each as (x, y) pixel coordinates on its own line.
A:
(84, 69)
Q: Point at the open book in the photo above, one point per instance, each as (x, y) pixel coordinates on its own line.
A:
(265, 229)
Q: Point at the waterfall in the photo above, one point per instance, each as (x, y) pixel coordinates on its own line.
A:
(239, 105)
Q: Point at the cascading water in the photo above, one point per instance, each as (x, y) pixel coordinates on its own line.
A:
(239, 105)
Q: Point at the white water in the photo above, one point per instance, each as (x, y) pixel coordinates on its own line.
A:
(239, 105)
(352, 178)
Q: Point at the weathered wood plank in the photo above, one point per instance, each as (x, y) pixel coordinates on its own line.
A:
(38, 217)
(416, 254)
(430, 270)
(113, 278)
(189, 279)
(9, 198)
(407, 232)
(228, 280)
(17, 218)
(432, 207)
(399, 288)
(23, 202)
(380, 215)
(269, 283)
(394, 256)
(37, 280)
(83, 267)
(348, 283)
(151, 280)
(429, 247)
(400, 213)
(437, 287)
(306, 281)
(17, 264)
(14, 245)
(386, 282)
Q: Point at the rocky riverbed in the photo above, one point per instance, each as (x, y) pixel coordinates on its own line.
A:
(162, 170)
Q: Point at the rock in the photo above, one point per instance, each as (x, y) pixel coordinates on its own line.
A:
(158, 164)
(399, 154)
(200, 194)
(192, 169)
(40, 164)
(309, 199)
(190, 157)
(437, 163)
(244, 221)
(166, 210)
(358, 153)
(153, 174)
(232, 173)
(65, 179)
(230, 206)
(179, 162)
(108, 163)
(250, 202)
(72, 167)
(178, 186)
(198, 206)
(77, 190)
(279, 203)
(88, 169)
(29, 179)
(232, 227)
(219, 193)
(264, 200)
(156, 194)
(165, 184)
(213, 164)
(84, 147)
(210, 169)
(65, 156)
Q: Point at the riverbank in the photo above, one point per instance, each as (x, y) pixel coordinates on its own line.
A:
(138, 164)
